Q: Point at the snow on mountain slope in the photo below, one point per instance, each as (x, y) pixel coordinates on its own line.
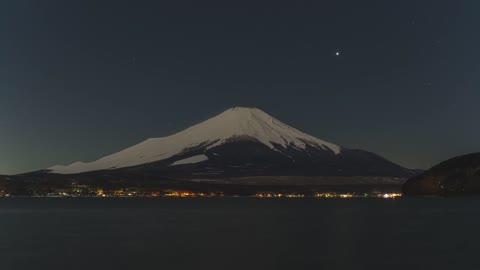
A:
(190, 160)
(233, 123)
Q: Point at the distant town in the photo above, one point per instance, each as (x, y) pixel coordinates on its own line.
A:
(76, 189)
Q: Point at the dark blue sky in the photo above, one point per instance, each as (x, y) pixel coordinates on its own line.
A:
(82, 79)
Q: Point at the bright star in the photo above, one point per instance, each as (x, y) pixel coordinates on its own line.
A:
(337, 53)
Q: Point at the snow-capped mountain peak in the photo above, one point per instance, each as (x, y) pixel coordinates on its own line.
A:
(234, 123)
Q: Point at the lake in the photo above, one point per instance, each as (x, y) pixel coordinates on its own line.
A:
(239, 233)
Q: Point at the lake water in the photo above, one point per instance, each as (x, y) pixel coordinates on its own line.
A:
(239, 233)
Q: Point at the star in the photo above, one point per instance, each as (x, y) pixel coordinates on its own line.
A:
(337, 53)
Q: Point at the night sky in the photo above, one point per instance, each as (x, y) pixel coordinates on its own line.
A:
(83, 79)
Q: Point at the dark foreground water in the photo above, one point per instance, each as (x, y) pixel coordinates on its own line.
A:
(239, 233)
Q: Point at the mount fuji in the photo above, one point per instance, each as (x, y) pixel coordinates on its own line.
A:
(239, 142)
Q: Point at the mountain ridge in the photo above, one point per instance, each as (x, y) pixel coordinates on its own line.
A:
(457, 176)
(239, 142)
